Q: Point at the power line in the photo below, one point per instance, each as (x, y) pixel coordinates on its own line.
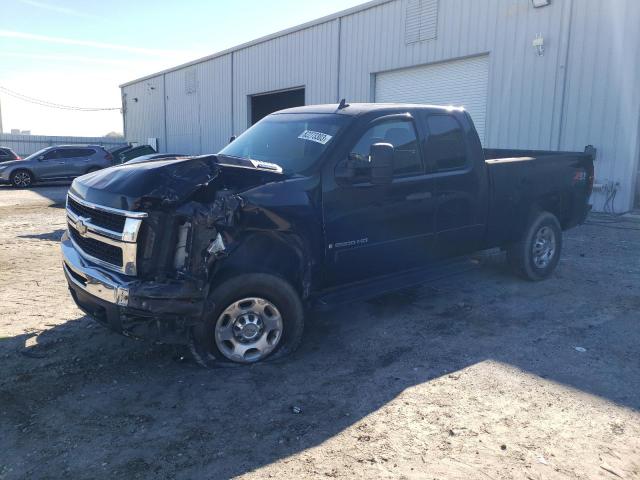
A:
(45, 103)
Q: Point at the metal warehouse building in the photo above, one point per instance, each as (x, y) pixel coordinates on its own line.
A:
(534, 74)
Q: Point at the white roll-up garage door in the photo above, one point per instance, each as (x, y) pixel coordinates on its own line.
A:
(458, 83)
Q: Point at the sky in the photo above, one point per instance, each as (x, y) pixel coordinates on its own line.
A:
(77, 53)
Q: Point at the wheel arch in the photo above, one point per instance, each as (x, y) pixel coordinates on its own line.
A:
(559, 205)
(282, 255)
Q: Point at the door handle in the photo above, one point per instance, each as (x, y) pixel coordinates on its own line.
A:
(419, 196)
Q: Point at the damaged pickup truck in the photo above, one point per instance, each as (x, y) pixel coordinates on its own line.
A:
(309, 207)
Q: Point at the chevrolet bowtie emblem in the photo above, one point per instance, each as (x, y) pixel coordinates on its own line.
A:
(81, 225)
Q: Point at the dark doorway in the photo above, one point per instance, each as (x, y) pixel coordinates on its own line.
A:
(264, 104)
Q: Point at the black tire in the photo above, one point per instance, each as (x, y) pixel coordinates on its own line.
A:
(521, 255)
(21, 178)
(275, 290)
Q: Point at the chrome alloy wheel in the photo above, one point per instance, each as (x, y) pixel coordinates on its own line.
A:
(22, 179)
(248, 330)
(544, 247)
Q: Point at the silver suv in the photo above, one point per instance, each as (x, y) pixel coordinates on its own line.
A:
(62, 162)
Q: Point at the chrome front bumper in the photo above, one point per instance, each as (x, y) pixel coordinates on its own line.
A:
(101, 283)
(164, 312)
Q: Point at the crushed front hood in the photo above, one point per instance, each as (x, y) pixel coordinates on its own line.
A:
(137, 186)
(162, 183)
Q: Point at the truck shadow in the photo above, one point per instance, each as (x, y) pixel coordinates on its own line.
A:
(53, 236)
(146, 410)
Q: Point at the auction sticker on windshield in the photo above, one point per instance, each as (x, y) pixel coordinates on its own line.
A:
(317, 137)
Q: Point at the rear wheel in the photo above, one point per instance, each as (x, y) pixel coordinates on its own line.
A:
(21, 179)
(255, 317)
(536, 256)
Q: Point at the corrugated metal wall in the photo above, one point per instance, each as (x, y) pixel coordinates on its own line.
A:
(455, 82)
(25, 145)
(144, 115)
(183, 103)
(307, 58)
(521, 84)
(215, 103)
(602, 101)
(584, 89)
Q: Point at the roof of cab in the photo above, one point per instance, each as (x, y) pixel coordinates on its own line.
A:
(355, 109)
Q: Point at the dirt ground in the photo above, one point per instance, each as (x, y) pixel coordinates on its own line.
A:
(477, 376)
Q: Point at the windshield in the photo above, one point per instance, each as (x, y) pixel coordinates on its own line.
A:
(38, 153)
(292, 141)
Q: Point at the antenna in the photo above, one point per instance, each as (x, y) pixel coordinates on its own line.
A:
(343, 104)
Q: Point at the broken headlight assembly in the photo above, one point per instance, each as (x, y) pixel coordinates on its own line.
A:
(217, 248)
(181, 254)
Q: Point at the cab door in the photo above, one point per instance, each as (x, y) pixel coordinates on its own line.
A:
(461, 187)
(373, 230)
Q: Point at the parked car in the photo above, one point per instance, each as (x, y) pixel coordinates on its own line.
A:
(310, 207)
(116, 151)
(134, 152)
(62, 162)
(6, 154)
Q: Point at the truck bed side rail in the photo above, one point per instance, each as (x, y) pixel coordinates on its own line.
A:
(498, 153)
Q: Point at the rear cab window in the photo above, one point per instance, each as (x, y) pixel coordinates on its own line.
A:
(446, 143)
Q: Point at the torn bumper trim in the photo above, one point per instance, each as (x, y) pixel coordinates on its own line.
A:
(160, 312)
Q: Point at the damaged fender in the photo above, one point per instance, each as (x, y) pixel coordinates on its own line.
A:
(253, 231)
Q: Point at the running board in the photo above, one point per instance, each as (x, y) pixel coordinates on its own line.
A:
(368, 289)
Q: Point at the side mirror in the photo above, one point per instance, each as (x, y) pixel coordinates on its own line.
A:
(41, 158)
(233, 137)
(381, 163)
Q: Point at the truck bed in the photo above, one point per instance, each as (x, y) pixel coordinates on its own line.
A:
(559, 182)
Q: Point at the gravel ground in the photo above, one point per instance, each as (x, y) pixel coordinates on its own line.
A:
(477, 376)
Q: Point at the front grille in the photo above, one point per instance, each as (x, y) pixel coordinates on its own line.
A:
(109, 236)
(101, 251)
(110, 221)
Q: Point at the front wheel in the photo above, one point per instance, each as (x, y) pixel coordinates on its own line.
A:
(21, 179)
(254, 317)
(536, 256)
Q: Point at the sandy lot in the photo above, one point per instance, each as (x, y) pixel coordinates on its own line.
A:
(476, 376)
